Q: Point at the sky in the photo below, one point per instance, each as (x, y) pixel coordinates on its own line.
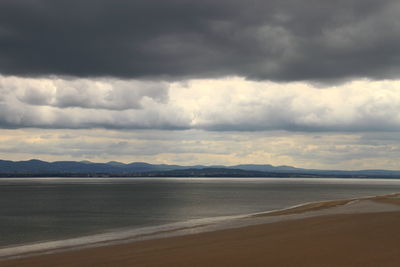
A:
(306, 83)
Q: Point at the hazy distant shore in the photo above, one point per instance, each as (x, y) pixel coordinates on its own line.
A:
(202, 173)
(356, 232)
(38, 168)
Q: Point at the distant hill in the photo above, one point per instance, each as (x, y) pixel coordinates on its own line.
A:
(32, 168)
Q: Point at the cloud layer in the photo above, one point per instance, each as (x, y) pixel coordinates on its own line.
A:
(82, 103)
(284, 40)
(239, 105)
(232, 104)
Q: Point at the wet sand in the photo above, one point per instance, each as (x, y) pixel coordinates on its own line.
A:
(365, 232)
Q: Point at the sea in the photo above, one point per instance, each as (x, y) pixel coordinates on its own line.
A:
(35, 210)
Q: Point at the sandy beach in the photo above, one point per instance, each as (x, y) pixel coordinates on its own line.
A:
(363, 232)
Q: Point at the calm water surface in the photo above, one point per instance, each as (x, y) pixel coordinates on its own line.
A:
(42, 209)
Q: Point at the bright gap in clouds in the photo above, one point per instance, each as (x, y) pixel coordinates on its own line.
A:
(206, 121)
(191, 147)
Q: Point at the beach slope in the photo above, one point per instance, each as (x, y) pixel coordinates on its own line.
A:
(365, 232)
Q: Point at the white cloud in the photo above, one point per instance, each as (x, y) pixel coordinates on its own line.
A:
(83, 103)
(230, 104)
(84, 93)
(237, 104)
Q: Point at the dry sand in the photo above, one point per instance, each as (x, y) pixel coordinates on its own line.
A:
(337, 233)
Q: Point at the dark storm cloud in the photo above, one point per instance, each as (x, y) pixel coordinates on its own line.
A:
(277, 40)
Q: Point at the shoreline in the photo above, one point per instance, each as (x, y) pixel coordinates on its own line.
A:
(104, 238)
(358, 232)
(236, 222)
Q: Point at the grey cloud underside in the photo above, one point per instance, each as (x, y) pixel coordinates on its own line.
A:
(28, 117)
(170, 39)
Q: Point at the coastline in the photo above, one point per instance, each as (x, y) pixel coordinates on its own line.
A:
(387, 206)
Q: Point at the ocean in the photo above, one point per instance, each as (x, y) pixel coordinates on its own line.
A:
(45, 209)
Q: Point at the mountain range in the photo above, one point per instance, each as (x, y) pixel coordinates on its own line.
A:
(36, 168)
